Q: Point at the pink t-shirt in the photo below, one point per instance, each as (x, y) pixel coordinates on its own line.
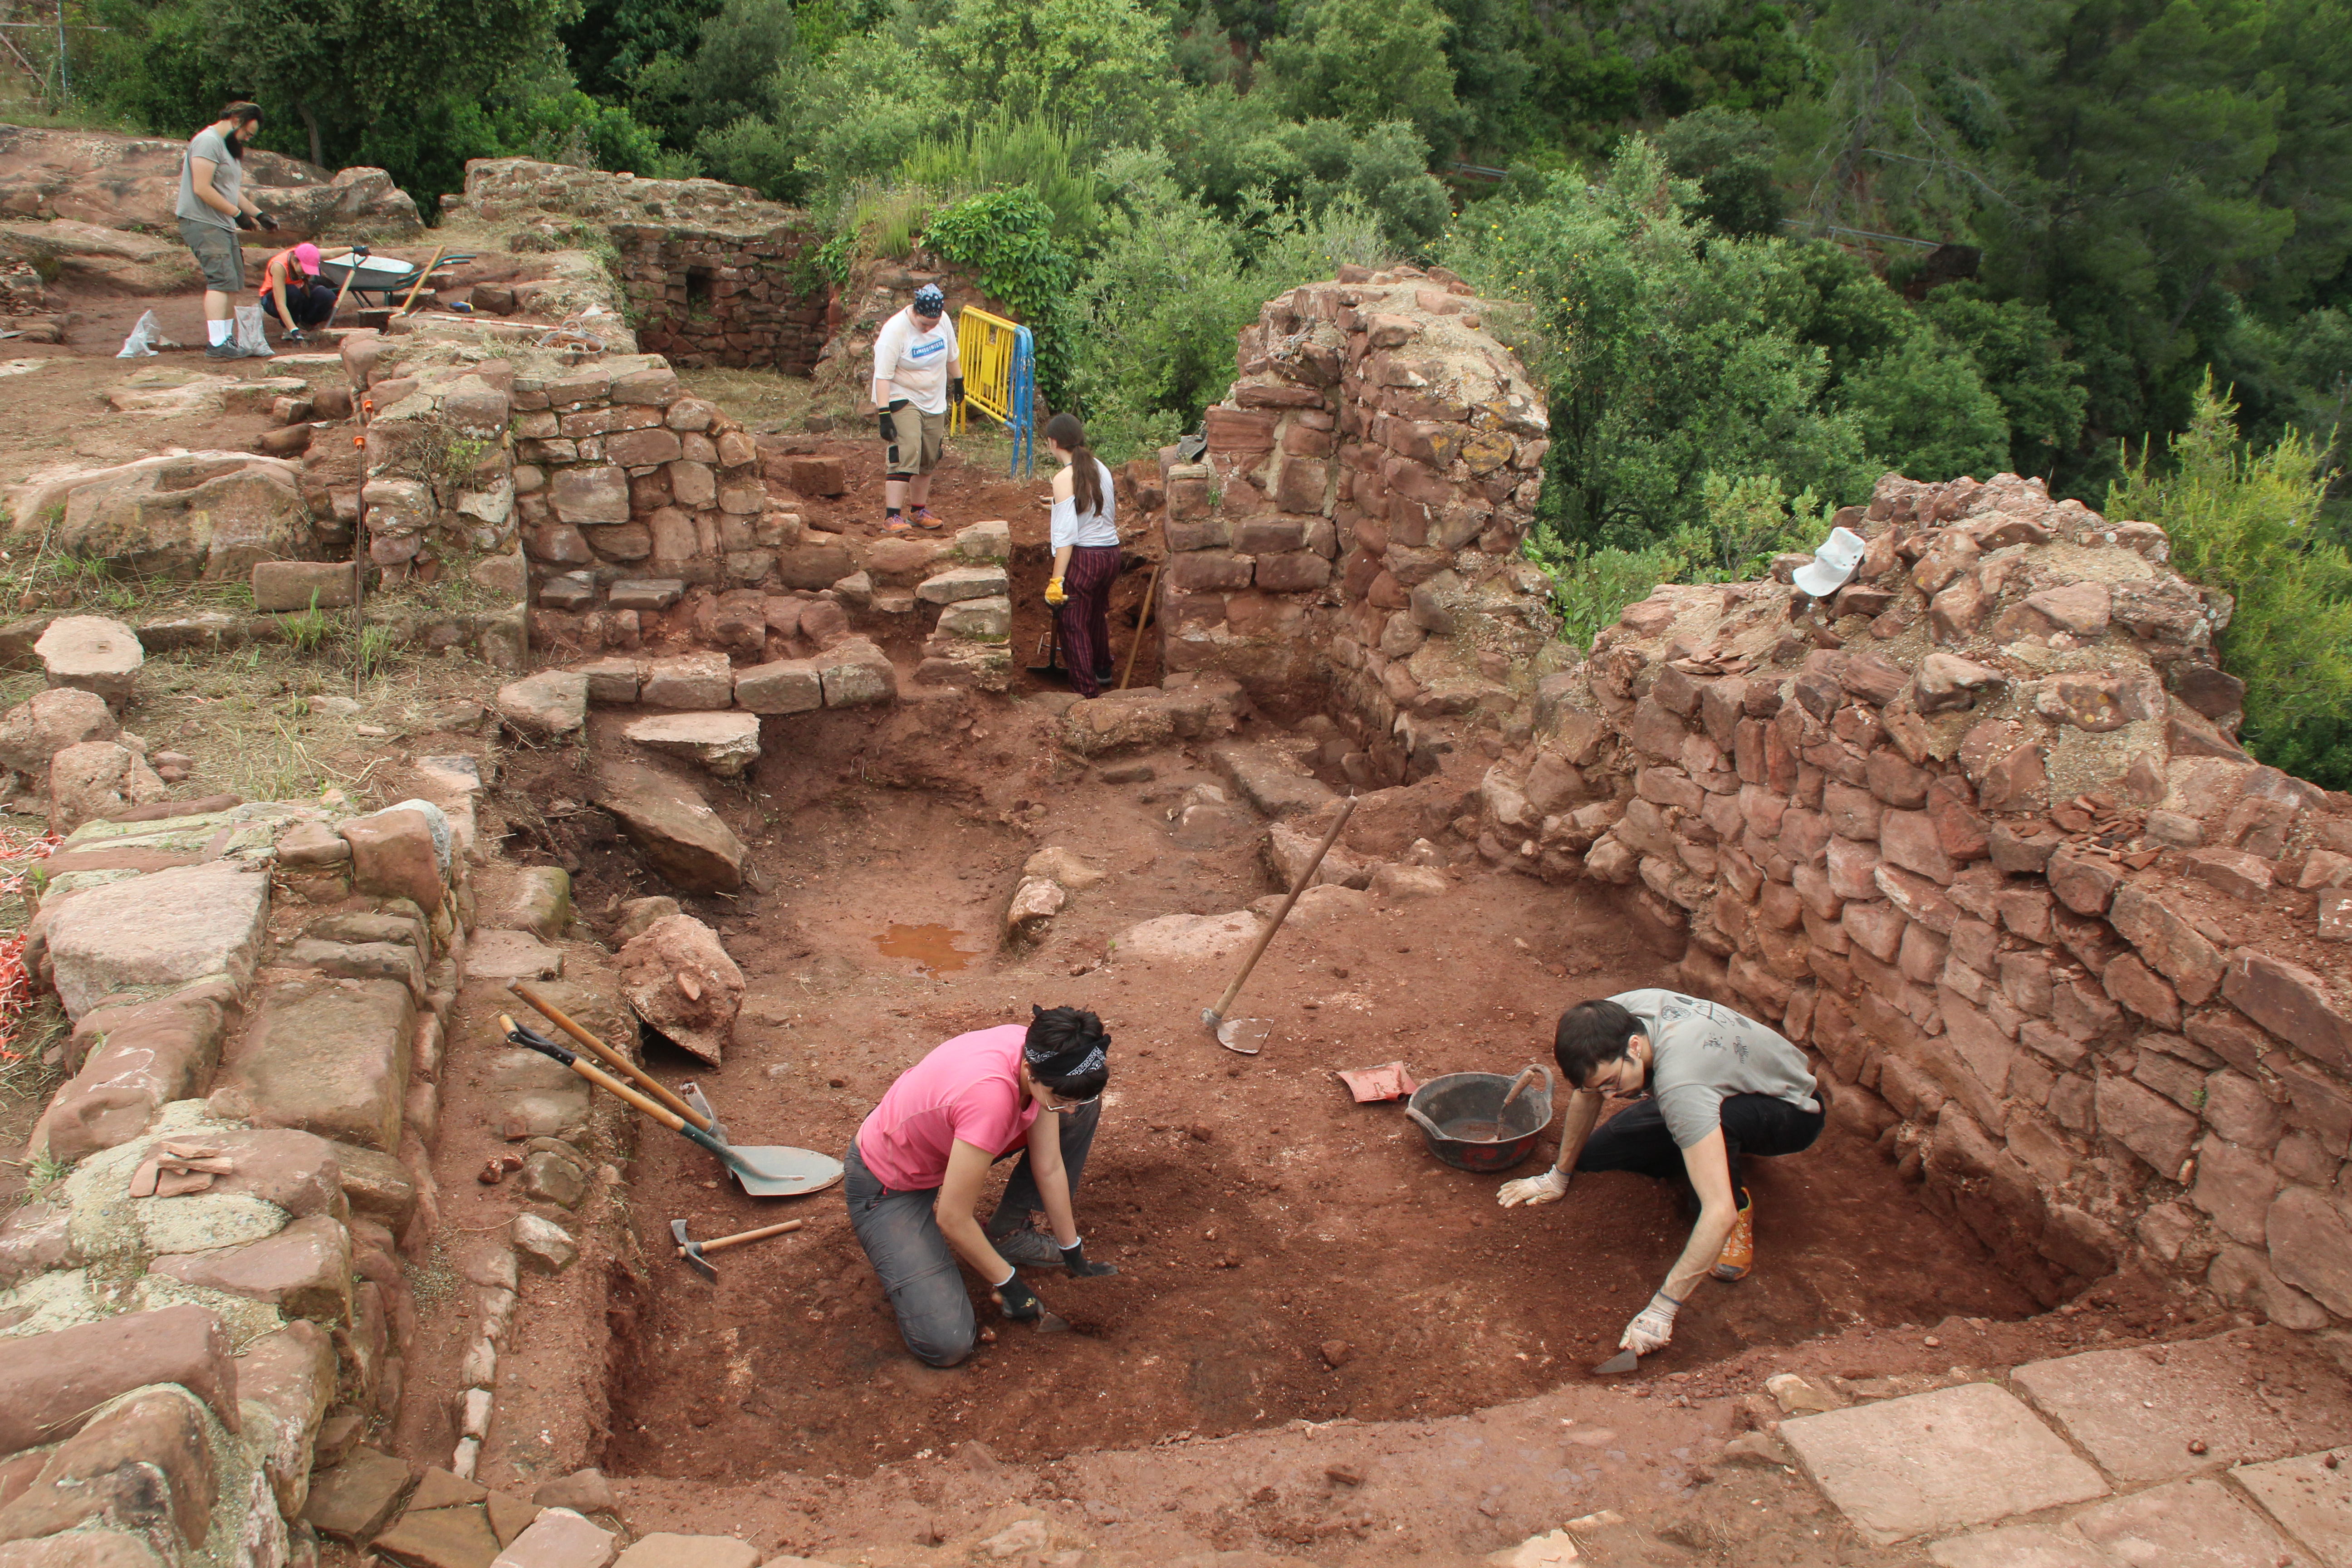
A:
(968, 1088)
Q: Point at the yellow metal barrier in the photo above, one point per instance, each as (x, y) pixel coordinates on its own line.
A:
(985, 342)
(1000, 373)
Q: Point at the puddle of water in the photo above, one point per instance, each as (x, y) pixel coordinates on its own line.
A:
(932, 948)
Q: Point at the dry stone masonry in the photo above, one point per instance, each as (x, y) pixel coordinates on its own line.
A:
(205, 1313)
(1977, 831)
(1354, 523)
(711, 274)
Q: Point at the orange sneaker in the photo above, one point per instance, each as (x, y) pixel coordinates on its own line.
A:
(1739, 1254)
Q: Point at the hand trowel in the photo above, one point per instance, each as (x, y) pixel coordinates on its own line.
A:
(1622, 1362)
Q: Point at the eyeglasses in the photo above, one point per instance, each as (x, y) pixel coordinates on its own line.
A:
(1075, 1105)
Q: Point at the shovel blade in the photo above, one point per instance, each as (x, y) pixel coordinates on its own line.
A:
(1051, 1323)
(777, 1172)
(1244, 1037)
(1622, 1362)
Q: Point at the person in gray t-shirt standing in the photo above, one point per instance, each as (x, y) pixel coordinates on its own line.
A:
(212, 207)
(1719, 1085)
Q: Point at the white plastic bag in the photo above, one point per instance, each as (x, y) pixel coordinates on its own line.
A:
(249, 336)
(142, 337)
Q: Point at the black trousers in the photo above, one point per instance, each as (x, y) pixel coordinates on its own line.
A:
(311, 303)
(1636, 1139)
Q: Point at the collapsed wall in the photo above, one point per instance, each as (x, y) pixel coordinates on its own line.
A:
(1976, 830)
(1351, 534)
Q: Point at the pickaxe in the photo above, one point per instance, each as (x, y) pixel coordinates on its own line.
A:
(691, 1252)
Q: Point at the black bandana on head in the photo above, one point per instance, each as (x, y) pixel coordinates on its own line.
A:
(1078, 1062)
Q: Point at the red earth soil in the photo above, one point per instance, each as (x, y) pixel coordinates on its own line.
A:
(1265, 1227)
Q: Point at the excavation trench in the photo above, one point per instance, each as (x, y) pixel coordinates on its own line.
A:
(1285, 1253)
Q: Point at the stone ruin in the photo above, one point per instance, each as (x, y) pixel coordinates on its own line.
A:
(1976, 831)
(1353, 526)
(711, 274)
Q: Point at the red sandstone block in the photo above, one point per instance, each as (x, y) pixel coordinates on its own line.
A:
(2083, 883)
(2292, 1002)
(2172, 946)
(1909, 839)
(1876, 928)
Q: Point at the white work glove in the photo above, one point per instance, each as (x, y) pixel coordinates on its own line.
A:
(1548, 1188)
(1652, 1327)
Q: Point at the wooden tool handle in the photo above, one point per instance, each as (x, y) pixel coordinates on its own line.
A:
(616, 1089)
(1142, 619)
(1347, 809)
(608, 1056)
(759, 1235)
(410, 303)
(351, 270)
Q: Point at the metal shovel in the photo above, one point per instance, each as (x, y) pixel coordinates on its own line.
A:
(1230, 1032)
(770, 1172)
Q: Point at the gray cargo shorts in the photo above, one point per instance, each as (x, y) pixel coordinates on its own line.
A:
(217, 253)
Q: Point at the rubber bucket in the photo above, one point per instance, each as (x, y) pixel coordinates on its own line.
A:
(1444, 1106)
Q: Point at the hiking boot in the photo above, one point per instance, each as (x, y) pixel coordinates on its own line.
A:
(1027, 1249)
(225, 350)
(1739, 1254)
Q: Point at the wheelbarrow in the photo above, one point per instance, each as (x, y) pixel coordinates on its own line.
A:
(387, 277)
(1480, 1121)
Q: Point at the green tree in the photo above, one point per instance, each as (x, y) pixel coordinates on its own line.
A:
(1731, 154)
(1670, 351)
(1100, 64)
(2017, 351)
(2244, 521)
(1366, 61)
(1924, 410)
(1170, 284)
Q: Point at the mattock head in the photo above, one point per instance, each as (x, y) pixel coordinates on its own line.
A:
(690, 1253)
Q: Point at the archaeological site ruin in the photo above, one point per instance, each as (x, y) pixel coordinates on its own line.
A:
(545, 643)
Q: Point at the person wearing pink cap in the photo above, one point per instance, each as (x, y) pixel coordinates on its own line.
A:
(293, 292)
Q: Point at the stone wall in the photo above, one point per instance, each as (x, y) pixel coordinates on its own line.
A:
(706, 297)
(1350, 535)
(1977, 832)
(711, 274)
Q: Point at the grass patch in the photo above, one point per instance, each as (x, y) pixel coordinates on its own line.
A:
(764, 400)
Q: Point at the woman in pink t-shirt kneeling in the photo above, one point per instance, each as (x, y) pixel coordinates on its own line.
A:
(916, 1168)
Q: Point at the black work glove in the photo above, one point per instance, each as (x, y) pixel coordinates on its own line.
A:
(1073, 1258)
(1019, 1301)
(955, 389)
(358, 250)
(244, 221)
(265, 221)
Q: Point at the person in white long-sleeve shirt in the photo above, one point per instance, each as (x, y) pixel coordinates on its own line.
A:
(1085, 555)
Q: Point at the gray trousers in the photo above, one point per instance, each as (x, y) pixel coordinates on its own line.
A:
(901, 1236)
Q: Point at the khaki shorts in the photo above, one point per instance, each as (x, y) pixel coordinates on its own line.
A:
(914, 441)
(218, 253)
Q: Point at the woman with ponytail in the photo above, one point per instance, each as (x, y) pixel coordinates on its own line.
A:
(1085, 555)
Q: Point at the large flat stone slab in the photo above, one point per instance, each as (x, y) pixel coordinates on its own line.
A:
(1268, 780)
(2136, 1415)
(161, 931)
(2314, 1502)
(673, 827)
(330, 1056)
(1936, 1463)
(2194, 1523)
(725, 742)
(2018, 1546)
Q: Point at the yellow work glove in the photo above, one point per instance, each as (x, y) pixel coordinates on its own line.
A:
(1054, 594)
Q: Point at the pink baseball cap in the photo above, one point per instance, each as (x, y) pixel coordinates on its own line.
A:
(308, 255)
